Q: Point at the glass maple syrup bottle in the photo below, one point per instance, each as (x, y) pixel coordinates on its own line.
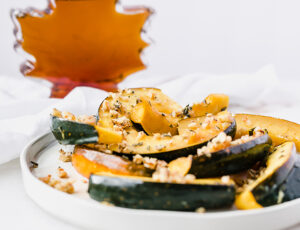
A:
(81, 43)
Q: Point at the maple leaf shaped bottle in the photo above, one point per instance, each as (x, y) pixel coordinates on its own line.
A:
(81, 43)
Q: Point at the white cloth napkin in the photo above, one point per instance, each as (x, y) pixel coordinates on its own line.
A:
(25, 105)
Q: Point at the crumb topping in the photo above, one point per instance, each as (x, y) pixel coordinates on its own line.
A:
(45, 179)
(86, 119)
(64, 186)
(210, 121)
(256, 132)
(149, 162)
(65, 156)
(68, 116)
(163, 174)
(223, 141)
(220, 142)
(62, 173)
(107, 203)
(157, 136)
(200, 210)
(140, 135)
(105, 106)
(160, 147)
(122, 122)
(56, 113)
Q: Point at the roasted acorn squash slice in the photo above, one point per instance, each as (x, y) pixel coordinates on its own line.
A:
(181, 165)
(291, 186)
(213, 103)
(151, 120)
(69, 132)
(279, 130)
(232, 159)
(87, 161)
(266, 189)
(145, 193)
(123, 102)
(194, 123)
(167, 147)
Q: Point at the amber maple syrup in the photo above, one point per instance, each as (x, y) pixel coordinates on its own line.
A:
(82, 43)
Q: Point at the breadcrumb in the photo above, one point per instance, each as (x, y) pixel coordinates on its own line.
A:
(46, 179)
(65, 156)
(64, 186)
(107, 203)
(200, 210)
(62, 173)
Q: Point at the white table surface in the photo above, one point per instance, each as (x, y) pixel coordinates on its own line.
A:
(17, 211)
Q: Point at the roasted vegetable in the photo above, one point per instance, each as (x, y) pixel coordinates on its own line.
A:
(291, 186)
(87, 161)
(266, 189)
(231, 159)
(213, 103)
(157, 115)
(167, 147)
(207, 123)
(136, 128)
(151, 120)
(181, 165)
(145, 193)
(122, 104)
(72, 132)
(69, 132)
(279, 130)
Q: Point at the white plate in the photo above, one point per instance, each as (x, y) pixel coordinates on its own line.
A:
(80, 210)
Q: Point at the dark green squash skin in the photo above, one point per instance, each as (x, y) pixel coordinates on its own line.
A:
(285, 179)
(174, 154)
(134, 193)
(232, 159)
(72, 133)
(291, 186)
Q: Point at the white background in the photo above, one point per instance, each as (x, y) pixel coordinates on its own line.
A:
(215, 36)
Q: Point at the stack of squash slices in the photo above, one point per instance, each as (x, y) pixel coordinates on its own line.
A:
(143, 150)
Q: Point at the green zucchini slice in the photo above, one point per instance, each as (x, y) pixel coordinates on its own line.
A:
(232, 159)
(145, 193)
(69, 132)
(266, 189)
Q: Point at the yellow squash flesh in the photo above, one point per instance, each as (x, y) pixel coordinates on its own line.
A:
(107, 136)
(276, 160)
(151, 119)
(279, 130)
(213, 103)
(181, 165)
